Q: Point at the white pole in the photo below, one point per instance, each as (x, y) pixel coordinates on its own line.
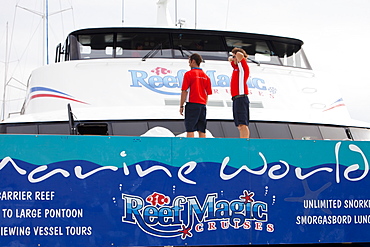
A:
(123, 11)
(47, 30)
(43, 32)
(176, 13)
(196, 14)
(5, 73)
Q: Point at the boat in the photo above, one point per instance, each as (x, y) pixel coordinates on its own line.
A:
(287, 100)
(98, 155)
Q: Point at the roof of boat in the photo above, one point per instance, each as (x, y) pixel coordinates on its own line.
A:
(182, 30)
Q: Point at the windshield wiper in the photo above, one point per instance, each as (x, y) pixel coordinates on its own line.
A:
(185, 52)
(153, 52)
(254, 61)
(180, 48)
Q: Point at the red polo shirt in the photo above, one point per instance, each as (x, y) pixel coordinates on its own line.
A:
(198, 85)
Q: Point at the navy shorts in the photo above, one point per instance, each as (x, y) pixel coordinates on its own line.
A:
(241, 110)
(195, 117)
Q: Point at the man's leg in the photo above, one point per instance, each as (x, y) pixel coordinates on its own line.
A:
(189, 134)
(201, 134)
(202, 122)
(243, 131)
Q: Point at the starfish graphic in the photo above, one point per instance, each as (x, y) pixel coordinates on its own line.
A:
(310, 195)
(185, 231)
(247, 196)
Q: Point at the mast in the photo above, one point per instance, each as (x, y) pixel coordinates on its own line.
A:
(123, 11)
(44, 15)
(163, 15)
(5, 74)
(196, 12)
(45, 18)
(46, 26)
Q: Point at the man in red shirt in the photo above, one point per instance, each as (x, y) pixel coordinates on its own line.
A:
(196, 87)
(239, 91)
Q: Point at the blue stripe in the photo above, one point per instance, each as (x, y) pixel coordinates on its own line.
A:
(35, 89)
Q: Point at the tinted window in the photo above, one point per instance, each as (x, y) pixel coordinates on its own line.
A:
(290, 55)
(230, 130)
(135, 128)
(333, 133)
(360, 134)
(208, 46)
(253, 132)
(258, 50)
(95, 45)
(162, 43)
(22, 129)
(143, 44)
(176, 127)
(301, 131)
(215, 128)
(273, 131)
(54, 129)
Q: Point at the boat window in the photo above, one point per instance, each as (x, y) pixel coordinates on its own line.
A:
(54, 128)
(215, 128)
(130, 128)
(290, 55)
(273, 130)
(176, 127)
(333, 133)
(360, 134)
(257, 50)
(180, 44)
(305, 132)
(22, 129)
(143, 45)
(208, 46)
(95, 45)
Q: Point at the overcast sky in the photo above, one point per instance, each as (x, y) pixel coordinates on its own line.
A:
(336, 33)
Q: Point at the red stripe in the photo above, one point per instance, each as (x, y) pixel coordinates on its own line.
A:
(334, 107)
(54, 96)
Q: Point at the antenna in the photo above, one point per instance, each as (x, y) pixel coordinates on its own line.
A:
(6, 69)
(47, 29)
(5, 74)
(123, 11)
(195, 9)
(175, 12)
(45, 17)
(180, 22)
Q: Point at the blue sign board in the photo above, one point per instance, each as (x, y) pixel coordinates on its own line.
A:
(147, 191)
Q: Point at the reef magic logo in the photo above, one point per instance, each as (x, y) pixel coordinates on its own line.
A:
(163, 82)
(184, 216)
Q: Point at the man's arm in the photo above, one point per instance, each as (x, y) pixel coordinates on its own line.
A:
(239, 56)
(184, 94)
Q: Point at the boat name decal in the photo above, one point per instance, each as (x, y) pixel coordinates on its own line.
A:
(186, 216)
(162, 80)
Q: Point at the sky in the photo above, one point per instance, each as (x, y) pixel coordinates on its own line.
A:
(335, 34)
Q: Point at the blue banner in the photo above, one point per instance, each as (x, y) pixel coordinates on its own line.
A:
(145, 191)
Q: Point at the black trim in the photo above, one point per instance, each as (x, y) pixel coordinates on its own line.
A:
(269, 39)
(219, 129)
(200, 31)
